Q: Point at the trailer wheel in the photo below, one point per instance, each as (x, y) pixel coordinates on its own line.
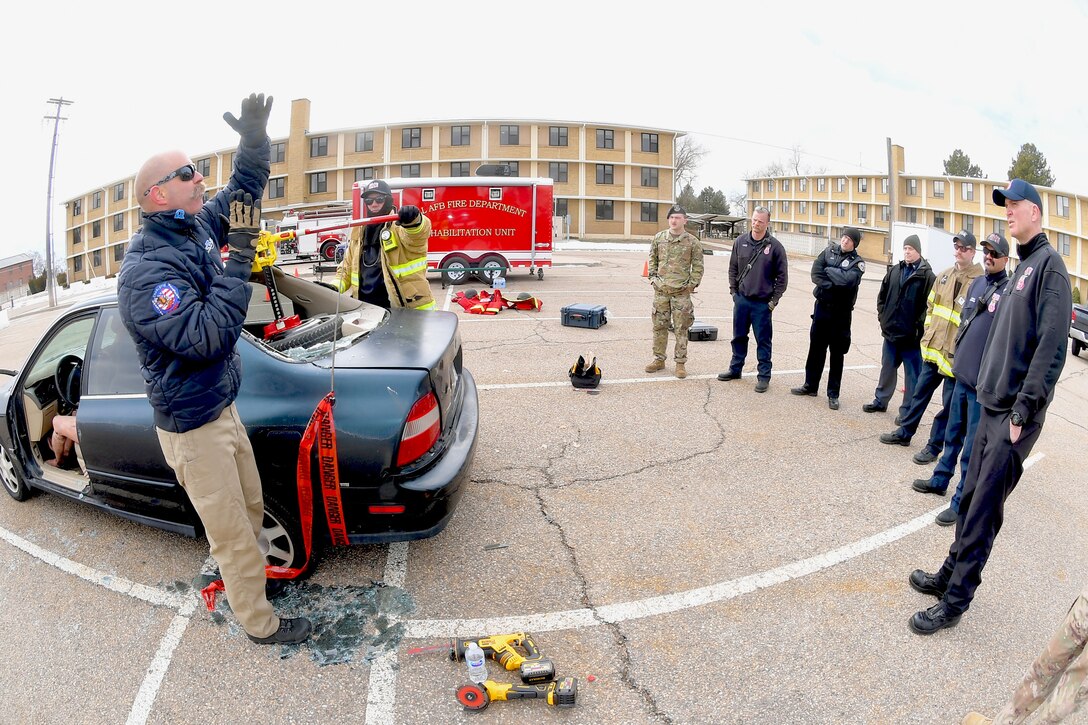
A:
(454, 269)
(328, 251)
(492, 266)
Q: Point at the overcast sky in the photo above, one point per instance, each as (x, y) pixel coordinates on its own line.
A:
(749, 82)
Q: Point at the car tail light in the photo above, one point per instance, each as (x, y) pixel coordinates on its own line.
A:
(386, 508)
(421, 430)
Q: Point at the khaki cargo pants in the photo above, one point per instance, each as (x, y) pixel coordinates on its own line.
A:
(214, 464)
(1056, 679)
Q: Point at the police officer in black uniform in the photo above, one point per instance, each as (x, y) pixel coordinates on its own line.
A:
(837, 273)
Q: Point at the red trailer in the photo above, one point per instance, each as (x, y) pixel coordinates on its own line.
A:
(480, 225)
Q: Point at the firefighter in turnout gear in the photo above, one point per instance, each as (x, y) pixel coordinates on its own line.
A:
(386, 264)
(675, 269)
(837, 275)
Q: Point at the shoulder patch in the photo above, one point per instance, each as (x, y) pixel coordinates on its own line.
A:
(165, 298)
(861, 266)
(209, 245)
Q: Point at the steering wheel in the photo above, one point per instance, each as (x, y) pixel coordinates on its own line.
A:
(68, 376)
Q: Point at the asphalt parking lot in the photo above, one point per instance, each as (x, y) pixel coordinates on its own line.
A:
(705, 553)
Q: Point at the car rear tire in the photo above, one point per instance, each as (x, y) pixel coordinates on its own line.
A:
(284, 535)
(492, 266)
(1075, 346)
(13, 482)
(316, 329)
(453, 269)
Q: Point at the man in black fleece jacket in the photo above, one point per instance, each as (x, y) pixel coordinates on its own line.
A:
(1025, 354)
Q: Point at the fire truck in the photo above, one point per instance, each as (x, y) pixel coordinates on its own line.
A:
(480, 225)
(328, 232)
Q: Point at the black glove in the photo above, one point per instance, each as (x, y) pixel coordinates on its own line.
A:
(243, 226)
(407, 215)
(253, 124)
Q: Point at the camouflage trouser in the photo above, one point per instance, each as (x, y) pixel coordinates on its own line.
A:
(679, 309)
(1058, 672)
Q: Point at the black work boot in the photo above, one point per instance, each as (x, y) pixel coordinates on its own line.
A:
(291, 631)
(926, 583)
(803, 390)
(933, 619)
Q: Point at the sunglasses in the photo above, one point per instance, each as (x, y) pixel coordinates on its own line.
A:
(185, 173)
(374, 200)
(960, 248)
(992, 254)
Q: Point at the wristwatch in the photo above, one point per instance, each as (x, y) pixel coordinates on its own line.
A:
(1016, 419)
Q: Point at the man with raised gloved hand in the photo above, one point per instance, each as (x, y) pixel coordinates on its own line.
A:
(184, 309)
(386, 264)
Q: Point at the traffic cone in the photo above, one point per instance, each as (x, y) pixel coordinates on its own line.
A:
(296, 271)
(646, 268)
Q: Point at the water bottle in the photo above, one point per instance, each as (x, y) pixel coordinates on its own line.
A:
(474, 657)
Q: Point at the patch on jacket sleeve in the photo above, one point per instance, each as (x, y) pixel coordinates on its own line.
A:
(166, 298)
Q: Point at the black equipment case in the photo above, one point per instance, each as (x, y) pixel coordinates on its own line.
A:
(702, 331)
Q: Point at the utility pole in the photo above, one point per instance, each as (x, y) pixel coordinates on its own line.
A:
(50, 279)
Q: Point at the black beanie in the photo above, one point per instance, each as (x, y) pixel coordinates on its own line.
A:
(854, 234)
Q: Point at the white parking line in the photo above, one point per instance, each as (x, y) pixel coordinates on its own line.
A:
(156, 671)
(381, 691)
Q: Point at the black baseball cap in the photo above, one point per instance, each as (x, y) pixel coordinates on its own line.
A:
(966, 238)
(1017, 190)
(997, 243)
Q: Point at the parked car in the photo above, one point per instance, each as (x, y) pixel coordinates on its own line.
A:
(406, 417)
(1078, 331)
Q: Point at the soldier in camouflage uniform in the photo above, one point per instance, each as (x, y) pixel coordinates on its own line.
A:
(1055, 680)
(675, 270)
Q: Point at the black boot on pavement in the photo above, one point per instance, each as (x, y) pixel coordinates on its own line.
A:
(291, 631)
(947, 517)
(803, 390)
(922, 485)
(925, 456)
(894, 438)
(729, 375)
(934, 619)
(833, 403)
(874, 408)
(926, 583)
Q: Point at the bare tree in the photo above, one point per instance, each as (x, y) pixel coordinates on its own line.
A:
(738, 203)
(689, 153)
(795, 159)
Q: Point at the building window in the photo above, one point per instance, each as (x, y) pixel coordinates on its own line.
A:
(999, 226)
(785, 184)
(561, 208)
(459, 168)
(96, 200)
(203, 167)
(557, 135)
(884, 186)
(802, 207)
(770, 207)
(279, 153)
(118, 252)
(366, 173)
(118, 222)
(840, 184)
(968, 191)
(319, 183)
(119, 191)
(885, 213)
(460, 135)
(649, 143)
(770, 186)
(821, 184)
(1065, 244)
(801, 228)
(411, 138)
(96, 258)
(969, 223)
(840, 209)
(513, 168)
(863, 185)
(938, 189)
(77, 207)
(863, 212)
(410, 171)
(649, 211)
(319, 146)
(1063, 206)
(938, 219)
(364, 141)
(821, 208)
(508, 135)
(785, 207)
(649, 178)
(557, 170)
(77, 235)
(96, 228)
(77, 264)
(912, 187)
(912, 216)
(604, 209)
(755, 187)
(606, 138)
(605, 174)
(802, 184)
(276, 188)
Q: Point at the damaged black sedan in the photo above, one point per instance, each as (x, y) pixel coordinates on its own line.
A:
(406, 417)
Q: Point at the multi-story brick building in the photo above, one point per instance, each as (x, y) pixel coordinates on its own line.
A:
(821, 205)
(611, 181)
